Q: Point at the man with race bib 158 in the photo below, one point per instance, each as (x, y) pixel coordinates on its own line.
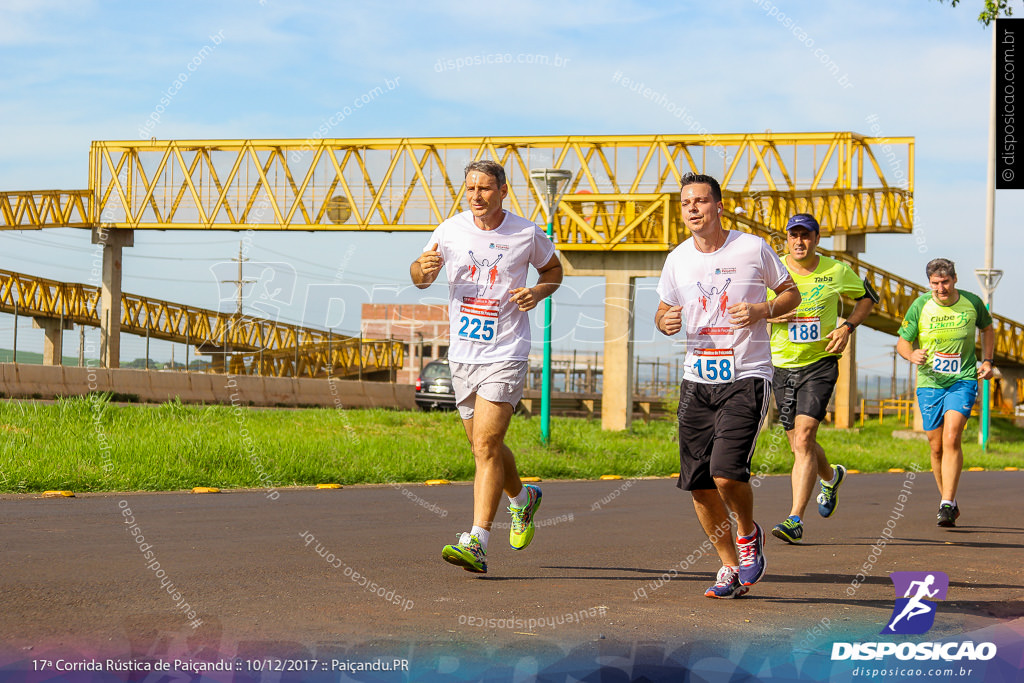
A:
(942, 327)
(487, 253)
(806, 345)
(715, 286)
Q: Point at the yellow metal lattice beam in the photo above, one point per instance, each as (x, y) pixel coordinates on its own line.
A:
(415, 183)
(211, 330)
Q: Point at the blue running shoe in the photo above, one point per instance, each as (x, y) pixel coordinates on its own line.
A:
(828, 499)
(752, 564)
(790, 530)
(727, 585)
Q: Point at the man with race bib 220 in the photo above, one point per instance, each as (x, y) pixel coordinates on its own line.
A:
(941, 326)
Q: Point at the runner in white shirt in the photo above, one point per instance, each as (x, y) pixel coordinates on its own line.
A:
(716, 283)
(487, 253)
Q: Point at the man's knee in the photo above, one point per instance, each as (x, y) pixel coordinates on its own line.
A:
(706, 497)
(487, 446)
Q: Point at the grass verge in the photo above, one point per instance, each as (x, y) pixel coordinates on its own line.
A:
(89, 444)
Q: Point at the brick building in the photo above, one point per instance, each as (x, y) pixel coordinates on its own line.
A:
(422, 329)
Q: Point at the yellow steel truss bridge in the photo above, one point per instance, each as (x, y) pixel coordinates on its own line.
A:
(622, 198)
(253, 345)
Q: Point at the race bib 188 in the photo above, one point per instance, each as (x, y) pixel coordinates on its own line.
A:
(805, 330)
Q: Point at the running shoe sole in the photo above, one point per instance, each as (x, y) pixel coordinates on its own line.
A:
(463, 558)
(780, 531)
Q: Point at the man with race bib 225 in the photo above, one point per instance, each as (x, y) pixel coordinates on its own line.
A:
(487, 253)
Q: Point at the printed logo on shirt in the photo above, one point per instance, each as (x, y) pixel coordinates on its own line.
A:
(714, 300)
(495, 245)
(724, 271)
(714, 330)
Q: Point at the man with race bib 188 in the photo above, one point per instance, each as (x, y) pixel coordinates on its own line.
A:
(806, 345)
(715, 285)
(942, 327)
(487, 253)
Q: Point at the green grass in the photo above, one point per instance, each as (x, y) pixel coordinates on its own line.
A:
(88, 444)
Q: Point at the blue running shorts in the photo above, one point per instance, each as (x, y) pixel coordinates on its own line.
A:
(934, 403)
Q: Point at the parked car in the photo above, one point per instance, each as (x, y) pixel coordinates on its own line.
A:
(434, 386)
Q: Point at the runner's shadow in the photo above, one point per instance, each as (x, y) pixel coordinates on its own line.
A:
(643, 574)
(961, 534)
(896, 541)
(981, 608)
(638, 570)
(884, 580)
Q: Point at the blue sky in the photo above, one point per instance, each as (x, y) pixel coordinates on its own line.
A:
(81, 71)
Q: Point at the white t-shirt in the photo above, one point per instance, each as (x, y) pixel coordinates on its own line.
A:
(483, 266)
(705, 285)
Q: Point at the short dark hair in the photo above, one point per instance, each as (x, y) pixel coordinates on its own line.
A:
(695, 178)
(491, 168)
(940, 266)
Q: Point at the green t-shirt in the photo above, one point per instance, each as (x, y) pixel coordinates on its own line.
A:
(802, 341)
(947, 334)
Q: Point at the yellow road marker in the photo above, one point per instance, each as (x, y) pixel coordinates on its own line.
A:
(328, 486)
(205, 489)
(609, 477)
(58, 494)
(437, 482)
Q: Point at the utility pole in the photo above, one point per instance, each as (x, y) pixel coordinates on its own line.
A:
(239, 284)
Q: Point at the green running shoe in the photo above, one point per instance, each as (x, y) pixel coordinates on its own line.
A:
(522, 519)
(790, 531)
(828, 499)
(467, 553)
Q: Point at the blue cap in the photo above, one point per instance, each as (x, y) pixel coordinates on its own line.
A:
(805, 221)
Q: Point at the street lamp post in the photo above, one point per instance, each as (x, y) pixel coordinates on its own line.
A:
(989, 276)
(550, 184)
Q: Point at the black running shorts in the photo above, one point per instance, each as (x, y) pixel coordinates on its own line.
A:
(805, 391)
(718, 428)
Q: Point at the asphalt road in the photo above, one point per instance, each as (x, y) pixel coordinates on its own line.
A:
(615, 567)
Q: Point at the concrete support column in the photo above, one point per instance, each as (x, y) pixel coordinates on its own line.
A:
(617, 396)
(620, 270)
(53, 346)
(110, 292)
(846, 386)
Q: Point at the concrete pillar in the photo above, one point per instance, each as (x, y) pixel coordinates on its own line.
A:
(53, 346)
(110, 292)
(846, 386)
(620, 270)
(617, 397)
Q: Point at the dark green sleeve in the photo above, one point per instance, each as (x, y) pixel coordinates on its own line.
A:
(908, 330)
(984, 317)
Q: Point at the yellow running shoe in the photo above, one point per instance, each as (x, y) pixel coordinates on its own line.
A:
(522, 519)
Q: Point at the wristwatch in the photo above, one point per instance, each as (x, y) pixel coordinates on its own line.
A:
(990, 361)
(850, 325)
